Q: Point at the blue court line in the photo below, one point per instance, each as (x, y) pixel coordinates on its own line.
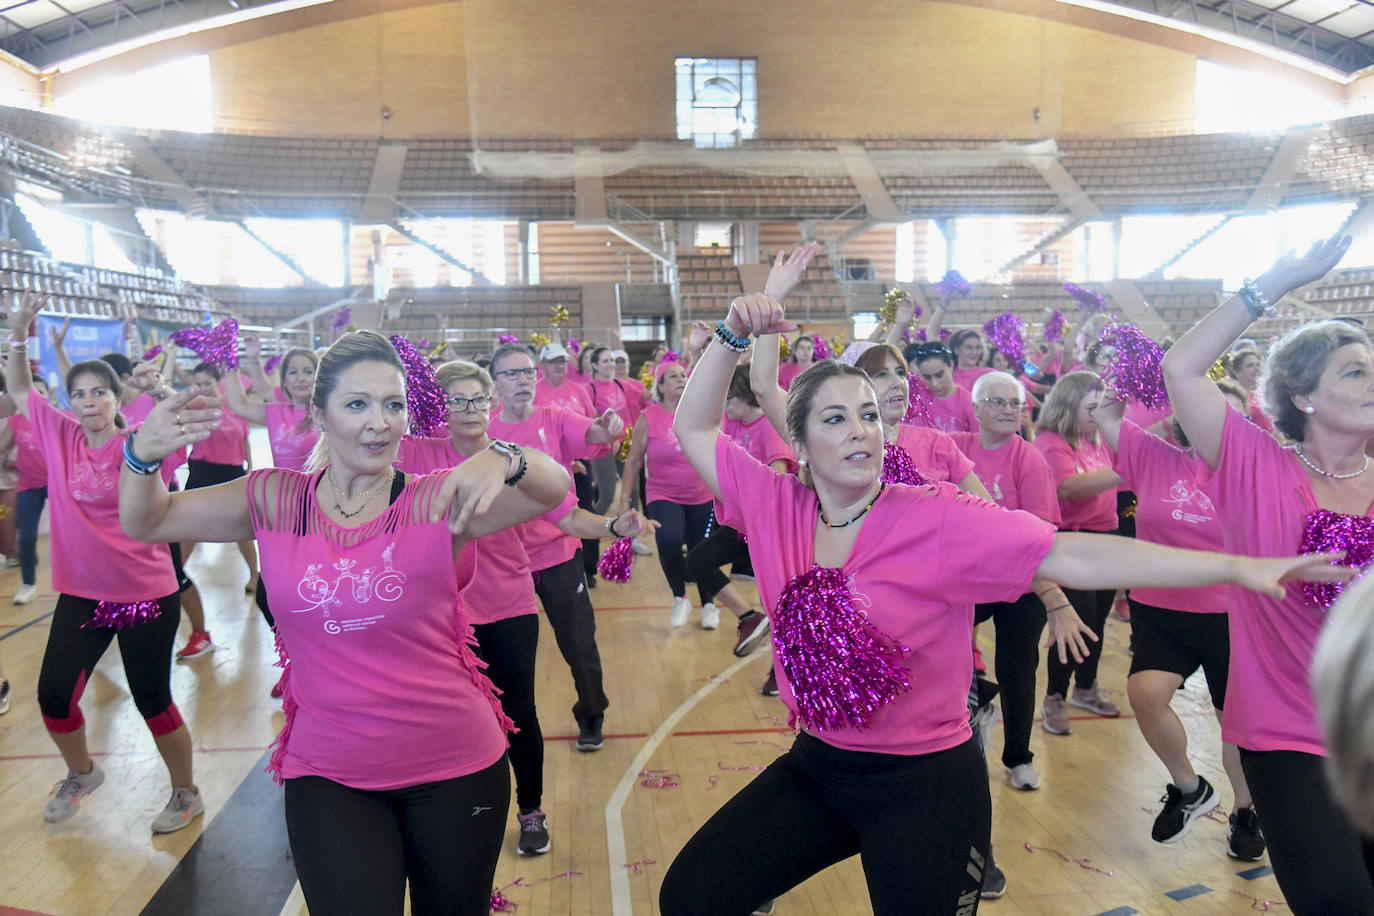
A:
(24, 626)
(1192, 890)
(1120, 911)
(1259, 871)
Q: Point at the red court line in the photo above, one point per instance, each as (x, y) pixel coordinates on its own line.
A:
(198, 750)
(15, 911)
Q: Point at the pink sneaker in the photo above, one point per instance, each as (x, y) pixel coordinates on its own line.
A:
(199, 644)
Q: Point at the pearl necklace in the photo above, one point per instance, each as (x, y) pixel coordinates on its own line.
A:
(1331, 474)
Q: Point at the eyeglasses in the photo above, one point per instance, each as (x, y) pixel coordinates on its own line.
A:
(460, 405)
(514, 374)
(1003, 403)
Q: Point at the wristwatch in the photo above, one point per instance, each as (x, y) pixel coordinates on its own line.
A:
(511, 452)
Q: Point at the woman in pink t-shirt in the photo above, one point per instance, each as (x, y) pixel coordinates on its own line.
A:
(1319, 390)
(109, 585)
(1245, 366)
(951, 407)
(675, 497)
(801, 358)
(1086, 486)
(32, 493)
(289, 430)
(869, 588)
(393, 752)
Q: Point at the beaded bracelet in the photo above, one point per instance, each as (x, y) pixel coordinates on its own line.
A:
(730, 341)
(1254, 299)
(136, 464)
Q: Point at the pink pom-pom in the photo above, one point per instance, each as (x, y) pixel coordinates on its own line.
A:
(842, 668)
(152, 353)
(1090, 299)
(921, 334)
(217, 346)
(918, 402)
(1054, 328)
(952, 284)
(617, 560)
(272, 363)
(113, 615)
(422, 343)
(507, 339)
(1006, 332)
(341, 319)
(820, 349)
(573, 345)
(898, 466)
(1336, 532)
(426, 402)
(1134, 367)
(500, 903)
(946, 333)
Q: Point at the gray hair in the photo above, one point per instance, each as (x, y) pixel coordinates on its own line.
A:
(1343, 680)
(988, 379)
(1295, 367)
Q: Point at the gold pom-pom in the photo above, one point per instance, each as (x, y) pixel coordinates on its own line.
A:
(646, 375)
(784, 347)
(891, 299)
(624, 451)
(539, 339)
(439, 350)
(1220, 369)
(558, 315)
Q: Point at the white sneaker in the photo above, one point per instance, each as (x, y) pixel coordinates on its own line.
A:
(680, 611)
(1024, 777)
(25, 594)
(12, 562)
(640, 548)
(710, 617)
(67, 794)
(184, 805)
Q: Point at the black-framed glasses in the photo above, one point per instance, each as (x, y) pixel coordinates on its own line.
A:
(514, 374)
(1003, 403)
(460, 405)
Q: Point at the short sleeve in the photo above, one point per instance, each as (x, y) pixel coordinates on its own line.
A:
(774, 448)
(1058, 455)
(987, 553)
(1035, 486)
(957, 465)
(572, 435)
(48, 422)
(1127, 460)
(563, 509)
(754, 492)
(1251, 463)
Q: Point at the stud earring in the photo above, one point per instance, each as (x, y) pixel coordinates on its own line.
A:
(1310, 409)
(801, 461)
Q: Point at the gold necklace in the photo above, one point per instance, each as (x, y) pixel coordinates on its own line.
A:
(365, 496)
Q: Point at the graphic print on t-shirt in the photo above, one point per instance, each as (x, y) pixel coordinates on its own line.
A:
(1190, 504)
(89, 483)
(364, 585)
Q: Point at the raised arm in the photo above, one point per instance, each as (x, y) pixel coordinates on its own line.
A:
(251, 406)
(18, 375)
(252, 346)
(1108, 417)
(763, 381)
(906, 310)
(634, 463)
(59, 346)
(1198, 403)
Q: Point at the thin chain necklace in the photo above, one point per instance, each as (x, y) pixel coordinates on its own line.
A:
(1331, 474)
(365, 496)
(862, 512)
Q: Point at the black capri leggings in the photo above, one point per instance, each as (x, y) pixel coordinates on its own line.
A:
(74, 650)
(919, 824)
(355, 849)
(209, 473)
(679, 525)
(1322, 864)
(509, 647)
(722, 546)
(1019, 624)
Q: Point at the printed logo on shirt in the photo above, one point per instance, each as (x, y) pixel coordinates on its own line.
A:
(1190, 504)
(994, 488)
(859, 599)
(89, 483)
(363, 586)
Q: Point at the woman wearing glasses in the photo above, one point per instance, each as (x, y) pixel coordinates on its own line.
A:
(500, 599)
(888, 571)
(1086, 485)
(951, 407)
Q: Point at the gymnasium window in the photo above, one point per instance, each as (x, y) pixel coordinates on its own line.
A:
(170, 96)
(71, 239)
(717, 100)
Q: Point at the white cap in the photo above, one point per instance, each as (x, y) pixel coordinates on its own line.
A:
(553, 351)
(620, 354)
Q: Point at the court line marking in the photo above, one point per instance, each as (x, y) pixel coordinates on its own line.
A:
(294, 903)
(615, 824)
(24, 626)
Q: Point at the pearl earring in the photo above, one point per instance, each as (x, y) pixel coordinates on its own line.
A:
(1310, 409)
(801, 461)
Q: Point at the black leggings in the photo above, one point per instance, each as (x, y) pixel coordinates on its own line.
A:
(508, 647)
(74, 650)
(722, 546)
(919, 824)
(1019, 624)
(1093, 607)
(355, 849)
(562, 590)
(1322, 864)
(585, 488)
(679, 526)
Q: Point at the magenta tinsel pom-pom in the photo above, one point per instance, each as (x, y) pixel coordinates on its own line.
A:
(1054, 328)
(917, 402)
(272, 363)
(952, 284)
(507, 339)
(1006, 332)
(1134, 367)
(616, 561)
(426, 402)
(113, 615)
(1090, 299)
(946, 333)
(921, 334)
(341, 319)
(1334, 532)
(842, 668)
(820, 349)
(500, 903)
(898, 466)
(152, 353)
(422, 343)
(572, 346)
(217, 346)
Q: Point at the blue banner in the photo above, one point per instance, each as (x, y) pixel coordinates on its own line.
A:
(87, 338)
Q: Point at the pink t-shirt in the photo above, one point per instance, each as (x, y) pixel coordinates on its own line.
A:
(1258, 416)
(922, 559)
(290, 434)
(934, 453)
(761, 441)
(1016, 475)
(569, 395)
(138, 410)
(1171, 509)
(955, 413)
(1065, 460)
(92, 557)
(383, 690)
(614, 394)
(28, 457)
(788, 372)
(576, 377)
(634, 397)
(668, 475)
(1264, 498)
(965, 378)
(563, 435)
(1144, 417)
(228, 444)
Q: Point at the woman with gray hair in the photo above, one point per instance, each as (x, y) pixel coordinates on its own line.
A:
(1319, 389)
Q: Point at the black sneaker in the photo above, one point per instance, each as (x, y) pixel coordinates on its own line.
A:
(763, 909)
(994, 882)
(753, 627)
(1174, 822)
(1244, 840)
(4, 697)
(534, 833)
(589, 735)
